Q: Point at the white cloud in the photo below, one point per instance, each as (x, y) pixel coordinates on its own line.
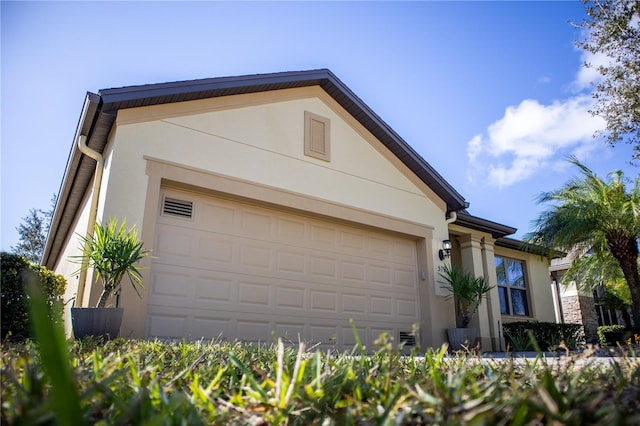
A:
(530, 138)
(474, 148)
(587, 77)
(533, 138)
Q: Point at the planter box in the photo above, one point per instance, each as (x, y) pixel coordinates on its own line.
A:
(612, 338)
(461, 339)
(97, 322)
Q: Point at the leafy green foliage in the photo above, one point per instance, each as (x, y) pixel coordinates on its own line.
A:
(519, 335)
(32, 236)
(604, 329)
(595, 218)
(617, 295)
(54, 355)
(15, 316)
(113, 252)
(467, 291)
(33, 233)
(612, 30)
(590, 271)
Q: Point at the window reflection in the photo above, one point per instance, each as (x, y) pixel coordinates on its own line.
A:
(512, 287)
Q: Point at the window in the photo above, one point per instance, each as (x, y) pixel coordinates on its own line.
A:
(316, 136)
(512, 287)
(606, 315)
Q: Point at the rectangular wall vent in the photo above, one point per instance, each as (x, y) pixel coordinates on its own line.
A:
(408, 338)
(178, 208)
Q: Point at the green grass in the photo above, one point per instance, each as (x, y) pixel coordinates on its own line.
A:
(133, 382)
(157, 383)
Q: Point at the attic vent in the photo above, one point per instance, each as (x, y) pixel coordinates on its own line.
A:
(408, 338)
(317, 140)
(178, 208)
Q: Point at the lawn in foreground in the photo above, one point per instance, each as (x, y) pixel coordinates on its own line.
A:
(135, 382)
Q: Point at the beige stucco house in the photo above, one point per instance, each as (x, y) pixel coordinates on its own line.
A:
(279, 204)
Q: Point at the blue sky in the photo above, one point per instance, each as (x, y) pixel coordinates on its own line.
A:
(491, 94)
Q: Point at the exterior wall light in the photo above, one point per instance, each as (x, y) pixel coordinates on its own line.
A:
(445, 251)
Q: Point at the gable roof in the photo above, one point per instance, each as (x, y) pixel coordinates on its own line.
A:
(99, 113)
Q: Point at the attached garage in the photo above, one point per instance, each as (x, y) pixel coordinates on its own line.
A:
(234, 269)
(275, 205)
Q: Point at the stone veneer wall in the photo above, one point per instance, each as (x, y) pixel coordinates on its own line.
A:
(589, 319)
(581, 310)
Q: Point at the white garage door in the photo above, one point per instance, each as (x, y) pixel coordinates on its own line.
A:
(240, 271)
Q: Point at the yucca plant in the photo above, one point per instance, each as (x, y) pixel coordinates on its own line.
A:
(467, 291)
(113, 251)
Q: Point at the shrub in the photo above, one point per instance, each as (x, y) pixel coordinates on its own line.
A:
(608, 334)
(15, 318)
(548, 335)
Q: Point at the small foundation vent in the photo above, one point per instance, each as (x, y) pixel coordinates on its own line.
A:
(177, 208)
(408, 338)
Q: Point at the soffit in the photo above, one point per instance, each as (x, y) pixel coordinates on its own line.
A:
(496, 230)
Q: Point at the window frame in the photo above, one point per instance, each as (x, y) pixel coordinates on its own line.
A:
(505, 291)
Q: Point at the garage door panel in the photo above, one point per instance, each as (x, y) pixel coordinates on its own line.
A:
(217, 217)
(382, 306)
(323, 334)
(214, 288)
(379, 245)
(325, 301)
(254, 331)
(323, 237)
(167, 326)
(256, 294)
(170, 283)
(175, 243)
(209, 328)
(406, 278)
(354, 304)
(291, 230)
(256, 256)
(323, 267)
(291, 263)
(216, 249)
(291, 298)
(291, 331)
(244, 271)
(353, 271)
(380, 275)
(407, 308)
(352, 240)
(404, 251)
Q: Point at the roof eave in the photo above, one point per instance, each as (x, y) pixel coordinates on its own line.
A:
(497, 230)
(523, 246)
(89, 111)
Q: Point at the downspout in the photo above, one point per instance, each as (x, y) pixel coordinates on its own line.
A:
(452, 218)
(93, 211)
